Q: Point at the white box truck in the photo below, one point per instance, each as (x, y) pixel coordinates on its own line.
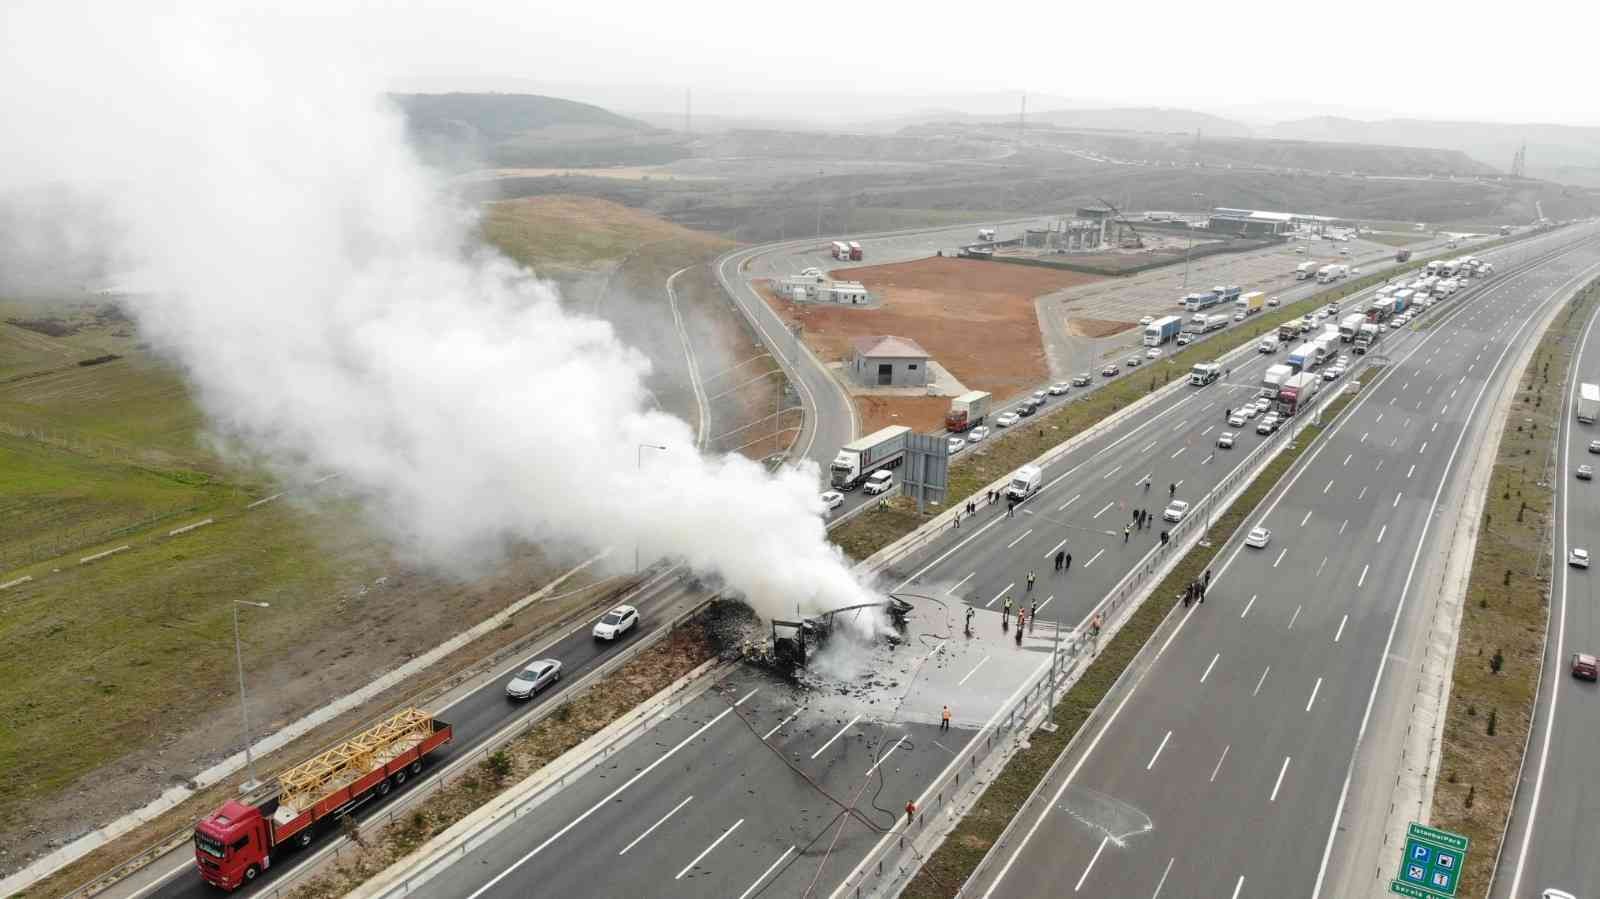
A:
(1250, 303)
(1273, 380)
(1305, 271)
(1025, 482)
(1588, 402)
(857, 459)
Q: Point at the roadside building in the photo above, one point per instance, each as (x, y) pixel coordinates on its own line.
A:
(887, 361)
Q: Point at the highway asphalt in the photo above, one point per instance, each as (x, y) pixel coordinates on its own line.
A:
(476, 716)
(707, 805)
(1551, 839)
(1221, 765)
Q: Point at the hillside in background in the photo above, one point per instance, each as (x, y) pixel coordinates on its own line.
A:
(1565, 153)
(460, 131)
(1152, 119)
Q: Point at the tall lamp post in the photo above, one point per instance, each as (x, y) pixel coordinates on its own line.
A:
(1197, 198)
(244, 713)
(638, 464)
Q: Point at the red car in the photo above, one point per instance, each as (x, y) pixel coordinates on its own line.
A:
(1585, 666)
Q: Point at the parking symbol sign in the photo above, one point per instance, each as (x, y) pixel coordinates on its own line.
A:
(1432, 863)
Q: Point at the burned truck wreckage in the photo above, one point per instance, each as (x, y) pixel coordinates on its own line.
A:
(786, 651)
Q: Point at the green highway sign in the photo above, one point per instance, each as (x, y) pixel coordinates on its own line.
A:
(1432, 864)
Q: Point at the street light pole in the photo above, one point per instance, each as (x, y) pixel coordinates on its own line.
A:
(244, 714)
(638, 465)
(1189, 247)
(819, 204)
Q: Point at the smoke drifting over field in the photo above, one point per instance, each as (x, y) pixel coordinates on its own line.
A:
(337, 314)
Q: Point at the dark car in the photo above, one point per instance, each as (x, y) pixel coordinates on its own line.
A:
(1026, 408)
(1584, 666)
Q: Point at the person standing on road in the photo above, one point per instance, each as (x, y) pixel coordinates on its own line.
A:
(1020, 616)
(1033, 615)
(1060, 557)
(1030, 582)
(1068, 563)
(970, 612)
(1208, 577)
(1172, 490)
(1163, 538)
(1202, 592)
(1127, 530)
(1011, 510)
(911, 812)
(944, 719)
(1005, 614)
(957, 522)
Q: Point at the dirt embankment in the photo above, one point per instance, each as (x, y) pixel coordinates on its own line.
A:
(976, 318)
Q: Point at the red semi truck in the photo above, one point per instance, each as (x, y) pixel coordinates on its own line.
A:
(237, 842)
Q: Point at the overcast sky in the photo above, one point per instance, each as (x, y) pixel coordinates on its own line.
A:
(1533, 61)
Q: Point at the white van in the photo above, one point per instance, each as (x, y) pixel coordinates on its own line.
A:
(1269, 345)
(1025, 482)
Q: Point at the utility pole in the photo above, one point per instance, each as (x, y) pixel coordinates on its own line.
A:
(686, 128)
(1022, 120)
(819, 204)
(638, 465)
(1190, 246)
(244, 713)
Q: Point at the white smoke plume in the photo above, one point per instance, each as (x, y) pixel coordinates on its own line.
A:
(336, 314)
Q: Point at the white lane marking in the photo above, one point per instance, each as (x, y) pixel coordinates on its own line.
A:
(1112, 472)
(1409, 471)
(1381, 531)
(1327, 488)
(1295, 617)
(1348, 458)
(506, 872)
(1323, 564)
(1396, 500)
(1281, 553)
(1379, 418)
(1063, 506)
(1423, 449)
(1451, 396)
(1163, 745)
(768, 735)
(1219, 762)
(1247, 608)
(1238, 886)
(1434, 428)
(1344, 525)
(1003, 591)
(1340, 632)
(1159, 884)
(1179, 452)
(952, 590)
(1315, 687)
(1103, 841)
(1305, 519)
(963, 681)
(653, 827)
(1393, 441)
(1149, 446)
(1179, 483)
(746, 696)
(1209, 667)
(1104, 508)
(853, 721)
(1093, 557)
(1052, 550)
(1208, 430)
(1019, 539)
(891, 752)
(707, 851)
(1379, 466)
(767, 873)
(1179, 426)
(1045, 603)
(1363, 437)
(1407, 424)
(1273, 797)
(1362, 495)
(937, 648)
(1261, 681)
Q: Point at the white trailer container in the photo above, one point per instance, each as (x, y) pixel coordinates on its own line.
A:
(881, 449)
(1588, 402)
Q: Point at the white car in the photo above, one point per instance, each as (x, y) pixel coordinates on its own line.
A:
(1110, 371)
(1578, 557)
(1039, 396)
(1225, 440)
(1329, 374)
(1273, 302)
(1344, 360)
(1007, 419)
(831, 500)
(1236, 420)
(1556, 894)
(1355, 270)
(1238, 316)
(616, 622)
(1331, 309)
(1259, 537)
(1147, 320)
(977, 434)
(1175, 510)
(878, 482)
(1268, 424)
(1185, 339)
(1061, 387)
(1132, 361)
(954, 445)
(1263, 404)
(534, 678)
(1383, 329)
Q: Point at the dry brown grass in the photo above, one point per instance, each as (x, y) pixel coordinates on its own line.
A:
(1506, 606)
(576, 233)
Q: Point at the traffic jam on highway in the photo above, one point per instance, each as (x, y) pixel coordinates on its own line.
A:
(1292, 634)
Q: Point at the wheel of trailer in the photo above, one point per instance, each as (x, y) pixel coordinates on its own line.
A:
(400, 777)
(383, 787)
(304, 838)
(250, 873)
(416, 767)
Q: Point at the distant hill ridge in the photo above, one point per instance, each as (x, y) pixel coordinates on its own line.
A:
(498, 117)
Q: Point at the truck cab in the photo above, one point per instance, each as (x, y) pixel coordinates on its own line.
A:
(231, 844)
